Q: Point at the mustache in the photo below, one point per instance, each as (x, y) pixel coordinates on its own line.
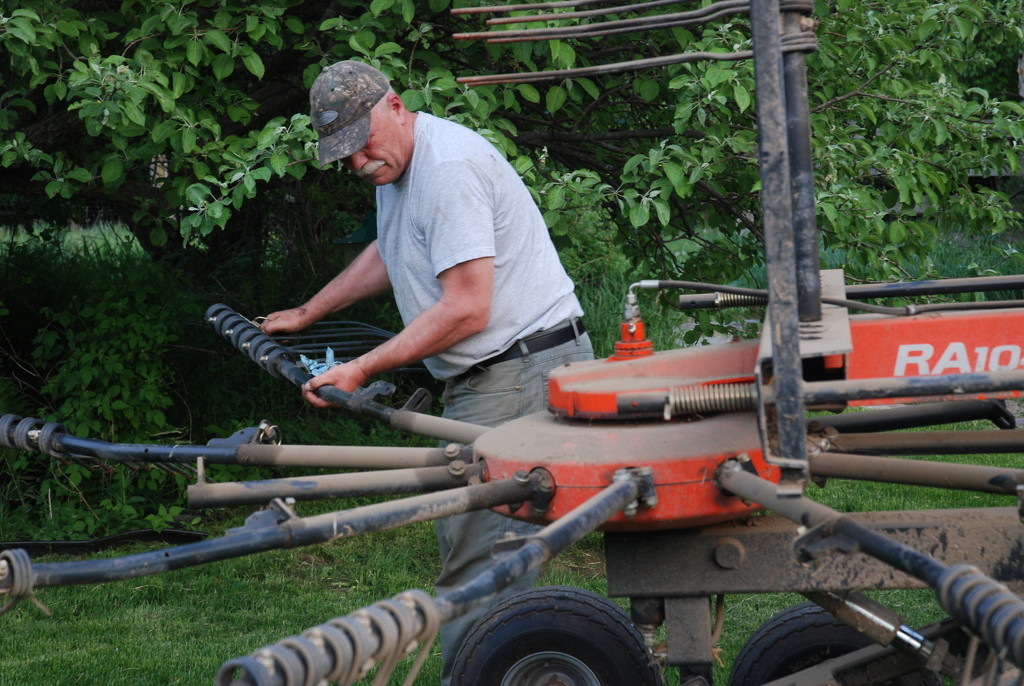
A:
(368, 168)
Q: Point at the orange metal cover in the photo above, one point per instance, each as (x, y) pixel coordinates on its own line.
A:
(934, 344)
(583, 457)
(603, 389)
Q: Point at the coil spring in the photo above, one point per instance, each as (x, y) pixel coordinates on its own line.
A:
(16, 566)
(724, 300)
(247, 338)
(31, 434)
(344, 649)
(726, 397)
(986, 606)
(7, 422)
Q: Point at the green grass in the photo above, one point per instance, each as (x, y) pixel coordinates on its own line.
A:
(179, 627)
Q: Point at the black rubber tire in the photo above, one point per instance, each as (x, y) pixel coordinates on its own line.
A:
(580, 635)
(800, 637)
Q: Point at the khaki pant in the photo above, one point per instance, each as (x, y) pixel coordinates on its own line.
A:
(503, 392)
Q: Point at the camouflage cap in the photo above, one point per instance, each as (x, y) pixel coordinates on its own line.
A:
(340, 102)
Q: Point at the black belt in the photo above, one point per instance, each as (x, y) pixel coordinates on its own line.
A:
(533, 344)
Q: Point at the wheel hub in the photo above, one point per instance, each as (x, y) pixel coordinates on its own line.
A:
(550, 668)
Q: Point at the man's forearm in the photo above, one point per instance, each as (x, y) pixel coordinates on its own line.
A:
(463, 310)
(435, 330)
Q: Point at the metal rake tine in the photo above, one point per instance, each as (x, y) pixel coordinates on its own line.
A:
(613, 68)
(800, 43)
(531, 6)
(585, 14)
(661, 21)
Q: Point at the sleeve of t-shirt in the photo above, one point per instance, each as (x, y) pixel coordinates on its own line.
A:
(459, 216)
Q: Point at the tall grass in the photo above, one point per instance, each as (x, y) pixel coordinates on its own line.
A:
(101, 239)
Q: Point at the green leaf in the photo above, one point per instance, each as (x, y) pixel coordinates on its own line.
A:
(80, 174)
(522, 164)
(362, 42)
(590, 87)
(163, 130)
(194, 52)
(113, 170)
(378, 6)
(555, 46)
(742, 97)
(663, 210)
(554, 99)
(133, 113)
(331, 24)
(278, 162)
(413, 100)
(254, 64)
(196, 193)
(649, 90)
(632, 163)
(219, 39)
(556, 198)
(188, 140)
(965, 28)
(897, 233)
(180, 83)
(22, 28)
(680, 82)
(829, 210)
(676, 175)
(388, 48)
(528, 92)
(639, 214)
(23, 12)
(716, 74)
(222, 66)
(267, 137)
(926, 28)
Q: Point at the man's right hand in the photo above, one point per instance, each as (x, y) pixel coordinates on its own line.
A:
(347, 377)
(287, 321)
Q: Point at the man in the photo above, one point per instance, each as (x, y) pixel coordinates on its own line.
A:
(484, 300)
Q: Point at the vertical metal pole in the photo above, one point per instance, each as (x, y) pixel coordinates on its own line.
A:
(780, 252)
(798, 123)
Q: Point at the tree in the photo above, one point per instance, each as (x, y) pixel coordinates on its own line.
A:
(179, 117)
(188, 122)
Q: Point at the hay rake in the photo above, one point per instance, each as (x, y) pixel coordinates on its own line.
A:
(674, 455)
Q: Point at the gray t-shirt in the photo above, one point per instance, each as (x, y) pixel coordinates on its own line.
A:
(460, 200)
